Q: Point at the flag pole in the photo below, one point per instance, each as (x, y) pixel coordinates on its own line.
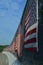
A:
(37, 23)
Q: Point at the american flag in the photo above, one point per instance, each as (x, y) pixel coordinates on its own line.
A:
(30, 41)
(19, 41)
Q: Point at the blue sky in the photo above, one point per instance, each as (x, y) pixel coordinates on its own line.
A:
(10, 16)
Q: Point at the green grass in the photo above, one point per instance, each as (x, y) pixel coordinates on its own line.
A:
(2, 47)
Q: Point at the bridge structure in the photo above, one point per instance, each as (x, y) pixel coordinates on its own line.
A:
(28, 38)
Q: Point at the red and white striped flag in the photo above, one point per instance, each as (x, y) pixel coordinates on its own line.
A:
(30, 41)
(27, 20)
(30, 38)
(19, 41)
